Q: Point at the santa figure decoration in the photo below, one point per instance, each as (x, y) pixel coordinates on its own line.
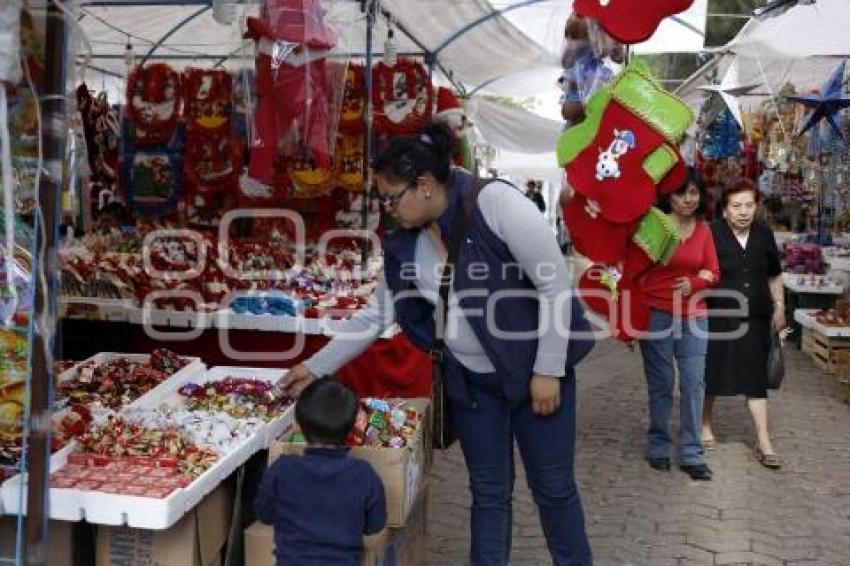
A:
(450, 112)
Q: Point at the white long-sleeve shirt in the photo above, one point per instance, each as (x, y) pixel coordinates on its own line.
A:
(518, 223)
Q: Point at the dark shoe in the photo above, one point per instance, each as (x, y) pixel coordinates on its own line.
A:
(660, 464)
(767, 460)
(697, 471)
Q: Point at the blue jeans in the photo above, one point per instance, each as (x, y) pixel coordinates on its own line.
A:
(486, 433)
(676, 343)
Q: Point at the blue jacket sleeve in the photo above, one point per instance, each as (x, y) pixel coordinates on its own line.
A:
(265, 504)
(376, 505)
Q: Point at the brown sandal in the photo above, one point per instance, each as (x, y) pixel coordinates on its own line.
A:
(709, 444)
(767, 460)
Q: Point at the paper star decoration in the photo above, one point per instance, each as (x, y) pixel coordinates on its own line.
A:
(729, 90)
(827, 104)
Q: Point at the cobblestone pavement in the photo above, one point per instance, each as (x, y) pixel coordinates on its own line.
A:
(748, 514)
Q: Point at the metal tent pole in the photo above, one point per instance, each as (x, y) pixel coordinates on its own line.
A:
(371, 14)
(38, 440)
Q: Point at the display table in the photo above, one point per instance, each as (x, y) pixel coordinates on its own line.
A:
(391, 366)
(827, 345)
(821, 295)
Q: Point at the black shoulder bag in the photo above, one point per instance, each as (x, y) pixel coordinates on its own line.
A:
(442, 432)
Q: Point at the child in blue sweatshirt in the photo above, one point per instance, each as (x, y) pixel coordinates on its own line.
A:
(322, 503)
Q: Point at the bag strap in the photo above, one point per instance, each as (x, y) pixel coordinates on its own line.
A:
(458, 231)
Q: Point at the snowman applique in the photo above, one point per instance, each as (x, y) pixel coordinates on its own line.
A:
(608, 166)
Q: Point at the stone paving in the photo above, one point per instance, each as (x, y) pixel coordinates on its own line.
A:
(799, 516)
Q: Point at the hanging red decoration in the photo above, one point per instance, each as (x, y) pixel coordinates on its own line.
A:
(154, 104)
(209, 100)
(352, 111)
(402, 96)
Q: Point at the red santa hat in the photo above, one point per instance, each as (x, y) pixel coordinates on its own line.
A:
(448, 104)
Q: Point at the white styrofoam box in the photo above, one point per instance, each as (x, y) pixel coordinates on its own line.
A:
(807, 319)
(70, 504)
(193, 369)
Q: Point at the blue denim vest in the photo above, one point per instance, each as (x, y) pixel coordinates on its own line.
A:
(513, 357)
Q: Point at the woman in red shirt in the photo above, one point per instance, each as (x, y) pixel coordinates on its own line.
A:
(678, 331)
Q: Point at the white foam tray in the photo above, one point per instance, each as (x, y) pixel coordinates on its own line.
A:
(807, 320)
(145, 512)
(193, 370)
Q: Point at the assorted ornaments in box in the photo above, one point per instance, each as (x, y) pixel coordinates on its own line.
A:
(247, 277)
(119, 381)
(123, 457)
(380, 423)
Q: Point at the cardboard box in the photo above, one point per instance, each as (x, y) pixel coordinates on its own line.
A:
(60, 540)
(259, 545)
(196, 540)
(390, 547)
(402, 470)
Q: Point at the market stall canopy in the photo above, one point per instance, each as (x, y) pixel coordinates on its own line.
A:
(799, 46)
(510, 128)
(804, 30)
(469, 39)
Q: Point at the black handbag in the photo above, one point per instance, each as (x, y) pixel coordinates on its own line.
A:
(442, 432)
(775, 362)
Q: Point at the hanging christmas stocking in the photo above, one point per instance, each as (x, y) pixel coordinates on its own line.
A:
(597, 239)
(630, 21)
(610, 170)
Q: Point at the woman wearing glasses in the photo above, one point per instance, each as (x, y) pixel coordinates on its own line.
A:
(509, 322)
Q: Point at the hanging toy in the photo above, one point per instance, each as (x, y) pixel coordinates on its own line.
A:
(402, 97)
(154, 104)
(293, 85)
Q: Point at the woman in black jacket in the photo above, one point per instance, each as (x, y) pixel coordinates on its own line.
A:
(750, 280)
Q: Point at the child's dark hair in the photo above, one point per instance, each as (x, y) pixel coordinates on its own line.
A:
(326, 411)
(430, 152)
(694, 178)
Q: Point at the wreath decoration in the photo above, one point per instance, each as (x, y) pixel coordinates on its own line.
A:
(402, 96)
(154, 104)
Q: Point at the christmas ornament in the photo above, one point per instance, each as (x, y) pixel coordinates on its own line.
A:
(729, 90)
(827, 105)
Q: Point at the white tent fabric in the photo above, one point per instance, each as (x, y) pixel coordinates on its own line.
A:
(511, 129)
(490, 49)
(800, 46)
(804, 30)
